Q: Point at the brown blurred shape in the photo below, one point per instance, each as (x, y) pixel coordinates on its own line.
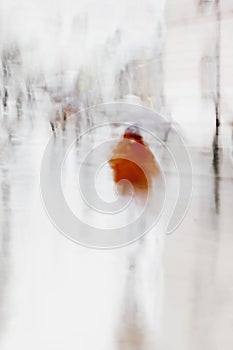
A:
(132, 160)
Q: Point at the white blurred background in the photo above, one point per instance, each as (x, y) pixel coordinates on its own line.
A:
(58, 58)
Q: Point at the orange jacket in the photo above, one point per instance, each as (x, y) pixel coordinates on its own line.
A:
(132, 160)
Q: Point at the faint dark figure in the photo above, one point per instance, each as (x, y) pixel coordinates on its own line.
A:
(54, 122)
(216, 149)
(61, 114)
(77, 129)
(5, 98)
(167, 131)
(5, 67)
(123, 84)
(29, 88)
(5, 70)
(19, 105)
(216, 168)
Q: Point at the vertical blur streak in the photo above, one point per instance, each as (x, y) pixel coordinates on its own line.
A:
(139, 322)
(216, 150)
(217, 175)
(218, 64)
(133, 160)
(5, 217)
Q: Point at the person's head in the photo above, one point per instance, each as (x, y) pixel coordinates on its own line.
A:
(132, 132)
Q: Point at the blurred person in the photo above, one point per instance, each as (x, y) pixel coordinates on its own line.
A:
(132, 160)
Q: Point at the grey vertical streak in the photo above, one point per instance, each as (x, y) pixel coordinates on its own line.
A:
(218, 65)
(5, 236)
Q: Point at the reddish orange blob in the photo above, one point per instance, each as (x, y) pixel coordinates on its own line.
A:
(132, 160)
